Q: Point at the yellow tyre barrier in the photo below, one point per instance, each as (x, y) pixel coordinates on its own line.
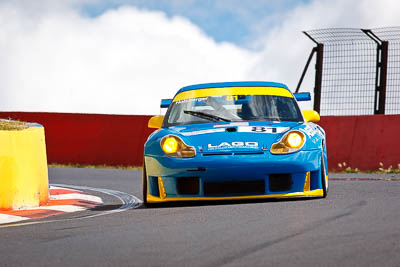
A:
(23, 168)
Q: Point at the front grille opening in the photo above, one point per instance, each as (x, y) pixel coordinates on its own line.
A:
(280, 182)
(153, 186)
(188, 185)
(255, 187)
(315, 180)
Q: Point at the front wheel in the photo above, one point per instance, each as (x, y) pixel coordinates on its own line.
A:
(144, 184)
(323, 178)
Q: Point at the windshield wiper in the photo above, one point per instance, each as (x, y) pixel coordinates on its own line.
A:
(205, 115)
(271, 118)
(265, 119)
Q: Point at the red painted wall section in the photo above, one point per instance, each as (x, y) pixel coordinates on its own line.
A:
(90, 138)
(362, 141)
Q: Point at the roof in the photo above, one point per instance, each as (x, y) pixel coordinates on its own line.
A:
(232, 84)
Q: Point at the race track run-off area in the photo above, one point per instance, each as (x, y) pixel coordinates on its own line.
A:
(356, 225)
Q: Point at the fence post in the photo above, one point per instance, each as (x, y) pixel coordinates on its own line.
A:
(305, 69)
(381, 71)
(381, 65)
(318, 77)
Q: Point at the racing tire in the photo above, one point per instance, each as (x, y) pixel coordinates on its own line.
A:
(144, 185)
(323, 177)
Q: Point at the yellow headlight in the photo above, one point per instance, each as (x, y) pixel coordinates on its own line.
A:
(294, 140)
(174, 147)
(170, 145)
(291, 142)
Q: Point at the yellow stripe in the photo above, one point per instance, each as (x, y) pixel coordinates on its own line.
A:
(161, 188)
(313, 193)
(307, 182)
(327, 181)
(233, 91)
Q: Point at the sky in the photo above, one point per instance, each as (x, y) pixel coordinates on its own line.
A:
(122, 57)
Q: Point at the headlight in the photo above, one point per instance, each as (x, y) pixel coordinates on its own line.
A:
(295, 139)
(170, 145)
(174, 147)
(290, 142)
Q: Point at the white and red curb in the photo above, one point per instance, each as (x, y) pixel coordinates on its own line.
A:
(61, 200)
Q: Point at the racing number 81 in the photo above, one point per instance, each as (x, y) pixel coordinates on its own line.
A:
(231, 97)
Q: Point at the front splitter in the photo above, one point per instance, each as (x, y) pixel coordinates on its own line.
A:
(313, 193)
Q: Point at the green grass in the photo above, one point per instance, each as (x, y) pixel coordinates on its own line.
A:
(119, 167)
(389, 169)
(347, 169)
(344, 168)
(8, 125)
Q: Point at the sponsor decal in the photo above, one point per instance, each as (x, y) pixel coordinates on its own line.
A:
(241, 127)
(200, 99)
(262, 129)
(203, 132)
(227, 145)
(310, 130)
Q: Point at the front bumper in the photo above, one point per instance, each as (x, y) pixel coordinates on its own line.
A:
(230, 177)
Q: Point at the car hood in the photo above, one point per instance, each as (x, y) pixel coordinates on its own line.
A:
(234, 136)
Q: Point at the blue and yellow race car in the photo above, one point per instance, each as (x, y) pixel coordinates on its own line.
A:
(234, 140)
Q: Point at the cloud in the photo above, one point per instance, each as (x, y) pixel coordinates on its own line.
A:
(123, 61)
(224, 20)
(55, 58)
(285, 49)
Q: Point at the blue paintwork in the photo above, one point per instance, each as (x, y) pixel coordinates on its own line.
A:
(306, 96)
(299, 96)
(232, 84)
(165, 103)
(235, 167)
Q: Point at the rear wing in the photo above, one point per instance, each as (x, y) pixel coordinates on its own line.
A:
(165, 103)
(306, 96)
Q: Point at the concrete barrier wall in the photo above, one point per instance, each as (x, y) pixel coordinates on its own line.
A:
(360, 141)
(23, 169)
(91, 139)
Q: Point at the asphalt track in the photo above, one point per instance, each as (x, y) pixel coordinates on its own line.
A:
(358, 224)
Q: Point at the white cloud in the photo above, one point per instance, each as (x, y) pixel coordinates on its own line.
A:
(285, 49)
(53, 58)
(121, 62)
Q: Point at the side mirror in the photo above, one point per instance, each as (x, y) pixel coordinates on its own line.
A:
(306, 96)
(311, 116)
(155, 122)
(165, 103)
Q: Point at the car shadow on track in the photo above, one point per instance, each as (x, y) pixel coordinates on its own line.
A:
(180, 204)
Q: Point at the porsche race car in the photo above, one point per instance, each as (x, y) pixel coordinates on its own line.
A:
(234, 140)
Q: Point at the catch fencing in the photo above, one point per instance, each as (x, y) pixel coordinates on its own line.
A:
(357, 71)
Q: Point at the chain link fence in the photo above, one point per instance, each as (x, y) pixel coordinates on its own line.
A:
(357, 71)
(392, 35)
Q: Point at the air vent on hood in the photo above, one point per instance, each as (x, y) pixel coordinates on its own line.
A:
(231, 129)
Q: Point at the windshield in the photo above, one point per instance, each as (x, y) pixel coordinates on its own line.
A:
(220, 108)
